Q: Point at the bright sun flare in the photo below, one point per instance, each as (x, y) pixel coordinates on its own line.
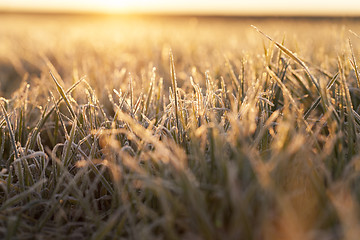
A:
(113, 5)
(189, 6)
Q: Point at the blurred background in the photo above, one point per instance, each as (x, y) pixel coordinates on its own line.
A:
(197, 7)
(80, 37)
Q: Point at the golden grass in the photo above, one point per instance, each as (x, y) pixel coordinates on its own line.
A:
(252, 137)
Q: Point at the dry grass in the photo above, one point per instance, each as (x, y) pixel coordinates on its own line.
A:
(178, 129)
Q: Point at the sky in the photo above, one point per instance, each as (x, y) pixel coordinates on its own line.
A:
(221, 7)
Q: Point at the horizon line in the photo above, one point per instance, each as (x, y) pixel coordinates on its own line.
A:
(178, 14)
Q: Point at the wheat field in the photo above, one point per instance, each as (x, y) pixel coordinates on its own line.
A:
(179, 128)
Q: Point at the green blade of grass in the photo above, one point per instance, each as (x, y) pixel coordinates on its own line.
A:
(45, 116)
(294, 57)
(317, 101)
(349, 109)
(63, 95)
(11, 132)
(24, 194)
(283, 87)
(68, 146)
(174, 87)
(104, 230)
(150, 93)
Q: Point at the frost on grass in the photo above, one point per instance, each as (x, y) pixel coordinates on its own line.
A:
(230, 135)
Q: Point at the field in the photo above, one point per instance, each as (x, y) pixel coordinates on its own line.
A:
(179, 128)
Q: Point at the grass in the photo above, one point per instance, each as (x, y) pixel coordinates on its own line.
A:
(178, 131)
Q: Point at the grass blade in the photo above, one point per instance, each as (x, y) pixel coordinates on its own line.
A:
(294, 57)
(68, 146)
(11, 132)
(63, 95)
(317, 101)
(174, 87)
(354, 64)
(24, 194)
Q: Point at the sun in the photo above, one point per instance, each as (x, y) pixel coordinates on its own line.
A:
(108, 5)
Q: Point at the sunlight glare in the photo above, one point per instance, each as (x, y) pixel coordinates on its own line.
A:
(235, 7)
